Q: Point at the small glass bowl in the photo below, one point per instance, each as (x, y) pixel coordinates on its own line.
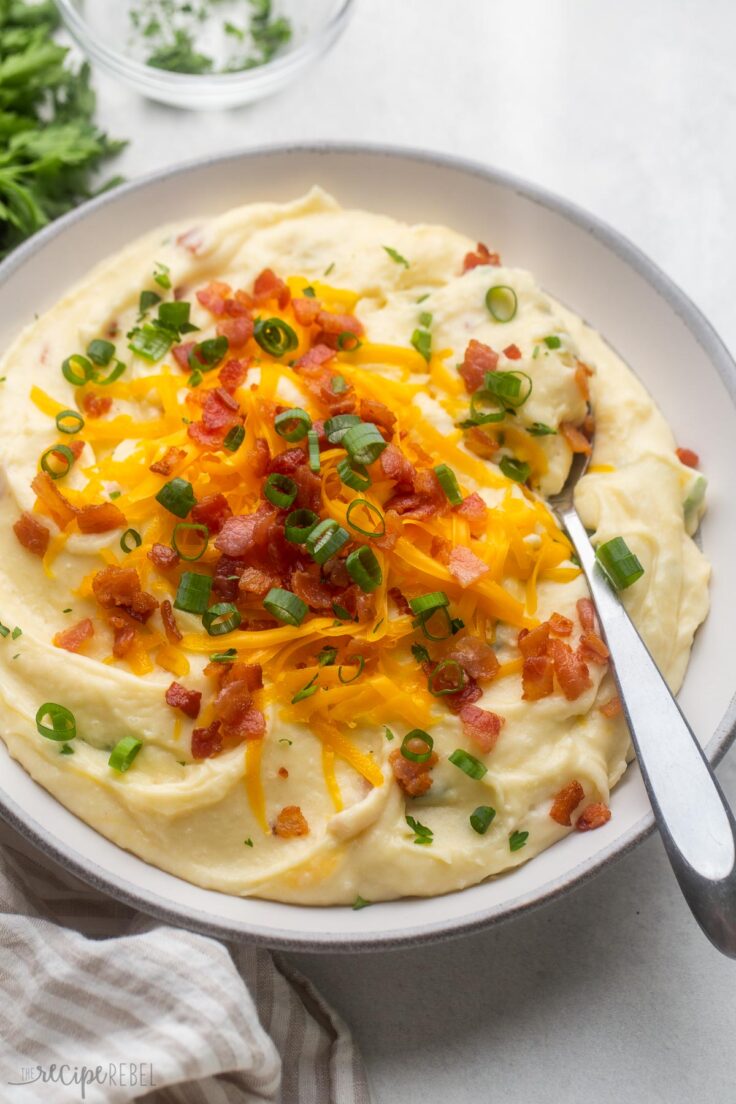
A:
(102, 28)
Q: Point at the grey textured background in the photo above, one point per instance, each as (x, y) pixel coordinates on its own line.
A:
(628, 108)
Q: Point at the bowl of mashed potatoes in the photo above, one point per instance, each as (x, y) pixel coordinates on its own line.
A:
(288, 628)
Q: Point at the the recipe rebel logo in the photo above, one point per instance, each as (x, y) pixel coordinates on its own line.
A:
(136, 1075)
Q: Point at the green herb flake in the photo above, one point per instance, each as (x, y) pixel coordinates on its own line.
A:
(539, 429)
(517, 840)
(248, 842)
(422, 342)
(16, 633)
(422, 834)
(360, 903)
(329, 268)
(389, 734)
(552, 342)
(161, 275)
(425, 319)
(420, 653)
(396, 256)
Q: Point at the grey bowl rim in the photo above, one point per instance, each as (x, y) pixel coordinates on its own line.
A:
(714, 348)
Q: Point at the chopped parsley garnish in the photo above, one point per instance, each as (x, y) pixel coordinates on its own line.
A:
(389, 733)
(539, 429)
(552, 342)
(360, 903)
(396, 256)
(425, 319)
(161, 275)
(422, 342)
(420, 653)
(329, 268)
(517, 840)
(422, 834)
(248, 842)
(327, 657)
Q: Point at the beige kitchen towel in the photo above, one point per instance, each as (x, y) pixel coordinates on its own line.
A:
(99, 1003)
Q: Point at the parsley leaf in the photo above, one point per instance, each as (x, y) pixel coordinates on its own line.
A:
(422, 834)
(396, 256)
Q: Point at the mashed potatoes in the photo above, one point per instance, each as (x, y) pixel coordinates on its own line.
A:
(159, 531)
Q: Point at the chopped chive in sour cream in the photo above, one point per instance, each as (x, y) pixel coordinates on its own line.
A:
(396, 256)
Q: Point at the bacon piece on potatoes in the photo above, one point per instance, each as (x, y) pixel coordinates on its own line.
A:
(188, 701)
(481, 726)
(166, 464)
(537, 677)
(31, 533)
(481, 255)
(593, 816)
(586, 614)
(96, 406)
(306, 310)
(291, 823)
(592, 649)
(566, 802)
(73, 638)
(413, 778)
(475, 656)
(687, 457)
(575, 438)
(560, 625)
(102, 518)
(466, 567)
(120, 588)
(213, 511)
(207, 742)
(163, 556)
(479, 359)
(59, 507)
(173, 635)
(571, 671)
(268, 286)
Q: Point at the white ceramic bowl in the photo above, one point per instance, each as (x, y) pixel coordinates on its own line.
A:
(588, 266)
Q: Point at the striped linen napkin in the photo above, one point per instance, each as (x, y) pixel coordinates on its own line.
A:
(99, 1003)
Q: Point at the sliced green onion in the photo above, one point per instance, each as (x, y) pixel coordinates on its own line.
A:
(468, 763)
(425, 620)
(130, 539)
(481, 819)
(423, 834)
(360, 903)
(280, 490)
(515, 469)
(193, 592)
(396, 256)
(348, 342)
(123, 754)
(306, 691)
(374, 515)
(422, 342)
(234, 438)
(513, 388)
(313, 449)
(420, 653)
(426, 603)
(358, 671)
(517, 840)
(228, 656)
(63, 456)
(161, 275)
(114, 374)
(4, 631)
(77, 370)
(327, 656)
(364, 443)
(177, 496)
(275, 336)
(147, 300)
(353, 475)
(66, 749)
(63, 725)
(325, 540)
(221, 618)
(309, 292)
(180, 530)
(364, 569)
(444, 669)
(175, 315)
(341, 613)
(449, 484)
(150, 342)
(292, 424)
(299, 524)
(207, 354)
(425, 319)
(552, 342)
(480, 401)
(195, 379)
(539, 429)
(101, 352)
(285, 606)
(337, 427)
(389, 733)
(422, 737)
(501, 302)
(69, 421)
(620, 564)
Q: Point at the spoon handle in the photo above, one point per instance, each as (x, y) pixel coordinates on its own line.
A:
(693, 817)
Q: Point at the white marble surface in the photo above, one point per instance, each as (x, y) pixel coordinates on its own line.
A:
(628, 108)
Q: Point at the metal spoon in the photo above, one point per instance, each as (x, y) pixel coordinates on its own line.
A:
(693, 817)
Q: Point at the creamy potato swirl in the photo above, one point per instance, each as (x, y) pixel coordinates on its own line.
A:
(211, 820)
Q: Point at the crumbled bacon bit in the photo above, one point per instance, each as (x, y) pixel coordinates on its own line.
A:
(239, 719)
(191, 240)
(181, 354)
(173, 635)
(593, 816)
(570, 669)
(513, 352)
(399, 600)
(534, 642)
(582, 375)
(687, 457)
(238, 331)
(233, 374)
(394, 526)
(475, 512)
(311, 590)
(245, 532)
(166, 463)
(270, 286)
(395, 466)
(257, 582)
(77, 447)
(577, 440)
(480, 256)
(220, 413)
(124, 635)
(286, 463)
(206, 742)
(479, 442)
(314, 358)
(475, 656)
(163, 557)
(537, 678)
(283, 772)
(75, 636)
(466, 567)
(213, 296)
(290, 823)
(566, 802)
(371, 410)
(96, 406)
(611, 708)
(249, 674)
(413, 778)
(479, 359)
(188, 701)
(59, 507)
(306, 310)
(31, 533)
(560, 625)
(428, 498)
(339, 323)
(102, 518)
(260, 457)
(586, 614)
(213, 511)
(120, 588)
(440, 550)
(470, 693)
(481, 726)
(593, 649)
